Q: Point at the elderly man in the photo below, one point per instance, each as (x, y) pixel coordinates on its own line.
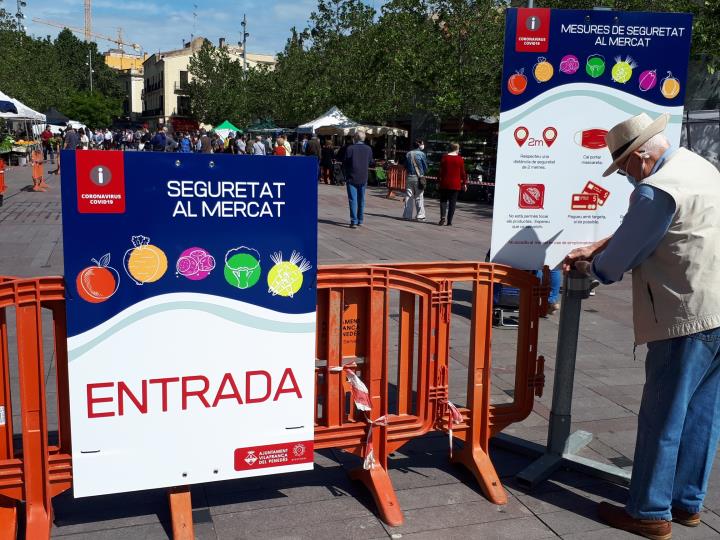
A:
(670, 238)
(358, 159)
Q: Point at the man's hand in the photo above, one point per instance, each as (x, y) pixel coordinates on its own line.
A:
(583, 267)
(581, 254)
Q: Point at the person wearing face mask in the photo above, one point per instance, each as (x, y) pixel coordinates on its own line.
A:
(417, 166)
(670, 238)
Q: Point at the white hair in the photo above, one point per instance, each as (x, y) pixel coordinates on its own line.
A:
(655, 145)
(360, 135)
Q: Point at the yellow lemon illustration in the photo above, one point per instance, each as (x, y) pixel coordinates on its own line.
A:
(145, 263)
(286, 277)
(543, 70)
(670, 86)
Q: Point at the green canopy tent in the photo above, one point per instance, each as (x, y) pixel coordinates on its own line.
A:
(225, 128)
(265, 126)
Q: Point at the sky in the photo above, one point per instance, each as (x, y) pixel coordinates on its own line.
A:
(159, 25)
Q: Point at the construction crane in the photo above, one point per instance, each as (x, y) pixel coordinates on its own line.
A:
(88, 20)
(118, 40)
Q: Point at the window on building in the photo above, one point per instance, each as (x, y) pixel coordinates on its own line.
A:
(183, 106)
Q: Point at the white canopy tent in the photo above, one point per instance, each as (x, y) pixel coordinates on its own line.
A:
(334, 122)
(23, 111)
(333, 118)
(27, 117)
(55, 129)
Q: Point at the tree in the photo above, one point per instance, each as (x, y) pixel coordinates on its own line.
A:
(43, 73)
(93, 109)
(220, 89)
(443, 57)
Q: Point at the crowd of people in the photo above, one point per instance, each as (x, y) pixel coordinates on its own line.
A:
(346, 165)
(200, 141)
(161, 140)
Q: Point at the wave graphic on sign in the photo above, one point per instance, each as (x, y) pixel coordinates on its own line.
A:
(236, 312)
(616, 98)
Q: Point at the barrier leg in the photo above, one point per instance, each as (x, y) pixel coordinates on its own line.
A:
(474, 454)
(377, 481)
(8, 519)
(36, 469)
(473, 458)
(181, 513)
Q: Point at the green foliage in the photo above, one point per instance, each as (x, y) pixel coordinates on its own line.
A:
(93, 109)
(219, 90)
(45, 73)
(443, 57)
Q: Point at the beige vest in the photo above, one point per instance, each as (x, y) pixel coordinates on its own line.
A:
(676, 291)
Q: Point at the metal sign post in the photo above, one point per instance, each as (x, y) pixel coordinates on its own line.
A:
(562, 446)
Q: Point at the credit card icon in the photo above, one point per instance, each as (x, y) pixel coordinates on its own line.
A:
(584, 201)
(601, 192)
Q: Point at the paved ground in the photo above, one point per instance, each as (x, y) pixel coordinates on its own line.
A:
(438, 499)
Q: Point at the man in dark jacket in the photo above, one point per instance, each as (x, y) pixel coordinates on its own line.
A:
(71, 140)
(358, 159)
(313, 148)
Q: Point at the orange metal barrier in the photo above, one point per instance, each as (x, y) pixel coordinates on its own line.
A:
(356, 307)
(529, 376)
(38, 177)
(396, 179)
(39, 471)
(353, 315)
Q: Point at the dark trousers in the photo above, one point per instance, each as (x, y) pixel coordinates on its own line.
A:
(448, 197)
(47, 149)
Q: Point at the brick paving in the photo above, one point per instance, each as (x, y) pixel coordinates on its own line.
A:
(439, 500)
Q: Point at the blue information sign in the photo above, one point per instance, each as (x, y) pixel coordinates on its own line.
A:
(191, 293)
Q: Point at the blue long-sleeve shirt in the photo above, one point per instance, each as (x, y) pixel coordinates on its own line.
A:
(648, 219)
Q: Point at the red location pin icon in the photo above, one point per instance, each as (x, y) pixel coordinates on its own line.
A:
(521, 135)
(549, 135)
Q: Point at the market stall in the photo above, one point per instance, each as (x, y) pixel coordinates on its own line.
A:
(335, 122)
(20, 137)
(226, 128)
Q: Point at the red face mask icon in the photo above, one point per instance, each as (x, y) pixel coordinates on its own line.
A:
(591, 138)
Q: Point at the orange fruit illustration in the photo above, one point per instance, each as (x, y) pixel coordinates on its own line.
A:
(670, 86)
(543, 70)
(517, 83)
(97, 283)
(145, 263)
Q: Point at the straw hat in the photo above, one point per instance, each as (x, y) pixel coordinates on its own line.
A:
(628, 136)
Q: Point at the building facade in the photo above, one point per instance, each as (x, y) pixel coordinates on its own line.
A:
(132, 81)
(121, 60)
(165, 93)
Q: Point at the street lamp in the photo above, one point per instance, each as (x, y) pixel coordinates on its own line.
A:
(245, 35)
(89, 64)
